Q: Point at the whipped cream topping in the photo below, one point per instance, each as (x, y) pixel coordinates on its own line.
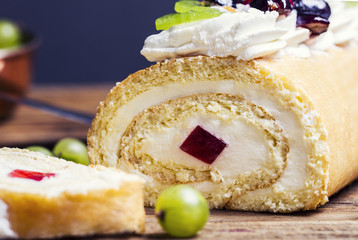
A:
(250, 33)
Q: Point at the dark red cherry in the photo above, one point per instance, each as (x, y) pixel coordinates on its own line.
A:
(244, 1)
(203, 145)
(315, 24)
(313, 14)
(313, 7)
(281, 6)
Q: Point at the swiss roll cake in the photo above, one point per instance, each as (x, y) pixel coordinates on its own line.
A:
(47, 197)
(257, 119)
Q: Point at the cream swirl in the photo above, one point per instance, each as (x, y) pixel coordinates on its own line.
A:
(249, 33)
(246, 34)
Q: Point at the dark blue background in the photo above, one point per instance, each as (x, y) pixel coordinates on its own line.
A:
(87, 41)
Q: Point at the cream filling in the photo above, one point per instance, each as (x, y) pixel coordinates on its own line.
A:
(70, 177)
(294, 175)
(245, 144)
(5, 229)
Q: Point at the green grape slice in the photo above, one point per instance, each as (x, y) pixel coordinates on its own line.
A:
(350, 4)
(189, 5)
(172, 19)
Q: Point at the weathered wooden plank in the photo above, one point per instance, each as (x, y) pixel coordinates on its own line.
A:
(31, 126)
(338, 219)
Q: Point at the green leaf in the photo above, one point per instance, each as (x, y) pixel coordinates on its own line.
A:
(350, 4)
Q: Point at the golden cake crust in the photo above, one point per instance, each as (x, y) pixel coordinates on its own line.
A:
(331, 81)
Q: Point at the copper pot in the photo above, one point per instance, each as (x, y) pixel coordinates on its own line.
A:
(16, 71)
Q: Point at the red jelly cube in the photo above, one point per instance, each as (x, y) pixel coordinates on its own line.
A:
(203, 145)
(37, 176)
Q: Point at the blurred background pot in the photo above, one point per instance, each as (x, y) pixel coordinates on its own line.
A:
(16, 70)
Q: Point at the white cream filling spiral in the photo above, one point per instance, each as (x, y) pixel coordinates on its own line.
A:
(292, 179)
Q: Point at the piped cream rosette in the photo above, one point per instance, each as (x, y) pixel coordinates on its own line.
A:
(250, 135)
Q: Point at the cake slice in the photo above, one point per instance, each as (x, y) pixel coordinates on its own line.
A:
(46, 197)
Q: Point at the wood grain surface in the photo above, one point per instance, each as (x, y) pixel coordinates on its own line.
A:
(31, 126)
(338, 219)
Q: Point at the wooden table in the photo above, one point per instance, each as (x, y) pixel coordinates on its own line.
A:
(338, 219)
(32, 126)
